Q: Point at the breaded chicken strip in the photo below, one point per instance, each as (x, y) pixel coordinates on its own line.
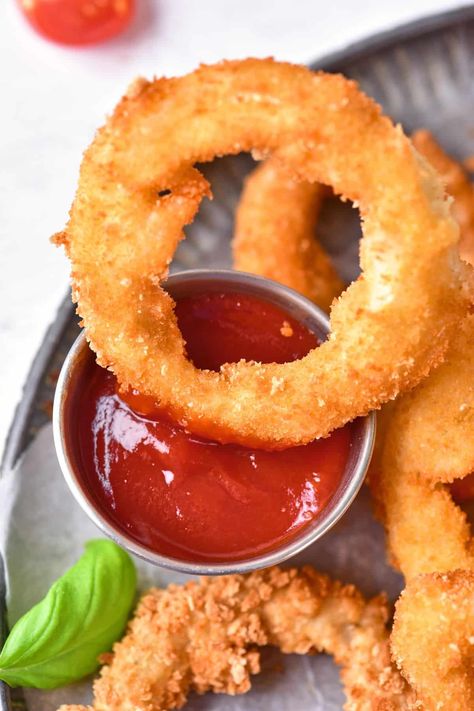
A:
(204, 637)
(433, 639)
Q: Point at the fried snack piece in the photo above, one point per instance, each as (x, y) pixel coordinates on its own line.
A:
(275, 226)
(433, 639)
(431, 434)
(277, 215)
(429, 438)
(458, 185)
(428, 533)
(204, 637)
(432, 427)
(429, 441)
(138, 188)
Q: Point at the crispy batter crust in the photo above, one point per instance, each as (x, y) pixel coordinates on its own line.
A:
(389, 328)
(204, 637)
(428, 435)
(277, 215)
(275, 226)
(432, 427)
(458, 185)
(428, 440)
(426, 530)
(433, 639)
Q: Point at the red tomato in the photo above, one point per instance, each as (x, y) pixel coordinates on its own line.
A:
(78, 21)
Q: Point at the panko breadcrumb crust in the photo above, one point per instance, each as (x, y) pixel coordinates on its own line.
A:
(426, 443)
(205, 637)
(388, 329)
(457, 184)
(277, 215)
(275, 228)
(433, 639)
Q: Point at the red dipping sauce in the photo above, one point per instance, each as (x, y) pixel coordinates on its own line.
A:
(190, 498)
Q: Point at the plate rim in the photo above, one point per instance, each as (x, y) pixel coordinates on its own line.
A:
(333, 61)
(417, 28)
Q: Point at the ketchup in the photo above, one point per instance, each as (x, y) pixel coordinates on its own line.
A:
(191, 498)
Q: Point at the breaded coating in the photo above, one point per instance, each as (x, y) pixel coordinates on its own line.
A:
(429, 439)
(204, 637)
(432, 427)
(275, 228)
(433, 639)
(428, 433)
(277, 215)
(138, 188)
(458, 185)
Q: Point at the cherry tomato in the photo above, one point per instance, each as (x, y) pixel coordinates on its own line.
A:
(78, 21)
(463, 489)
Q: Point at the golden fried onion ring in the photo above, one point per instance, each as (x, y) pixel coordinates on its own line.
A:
(275, 225)
(428, 434)
(277, 215)
(433, 639)
(429, 439)
(389, 328)
(428, 442)
(458, 185)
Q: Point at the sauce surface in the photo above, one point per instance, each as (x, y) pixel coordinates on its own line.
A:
(185, 496)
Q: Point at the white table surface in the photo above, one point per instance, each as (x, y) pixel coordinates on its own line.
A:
(52, 99)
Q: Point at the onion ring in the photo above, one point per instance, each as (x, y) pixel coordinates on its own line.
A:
(433, 639)
(458, 185)
(429, 439)
(428, 434)
(277, 215)
(429, 442)
(274, 236)
(138, 188)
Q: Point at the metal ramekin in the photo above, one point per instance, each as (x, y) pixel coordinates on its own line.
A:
(185, 284)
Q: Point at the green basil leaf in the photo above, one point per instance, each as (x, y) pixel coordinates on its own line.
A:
(85, 611)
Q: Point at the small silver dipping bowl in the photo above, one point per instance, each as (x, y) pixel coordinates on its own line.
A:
(189, 283)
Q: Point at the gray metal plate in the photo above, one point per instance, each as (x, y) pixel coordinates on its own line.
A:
(421, 73)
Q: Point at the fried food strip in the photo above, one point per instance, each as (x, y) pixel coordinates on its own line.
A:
(138, 188)
(458, 185)
(203, 637)
(432, 427)
(433, 639)
(275, 226)
(430, 439)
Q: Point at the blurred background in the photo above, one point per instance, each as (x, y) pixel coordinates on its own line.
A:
(54, 96)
